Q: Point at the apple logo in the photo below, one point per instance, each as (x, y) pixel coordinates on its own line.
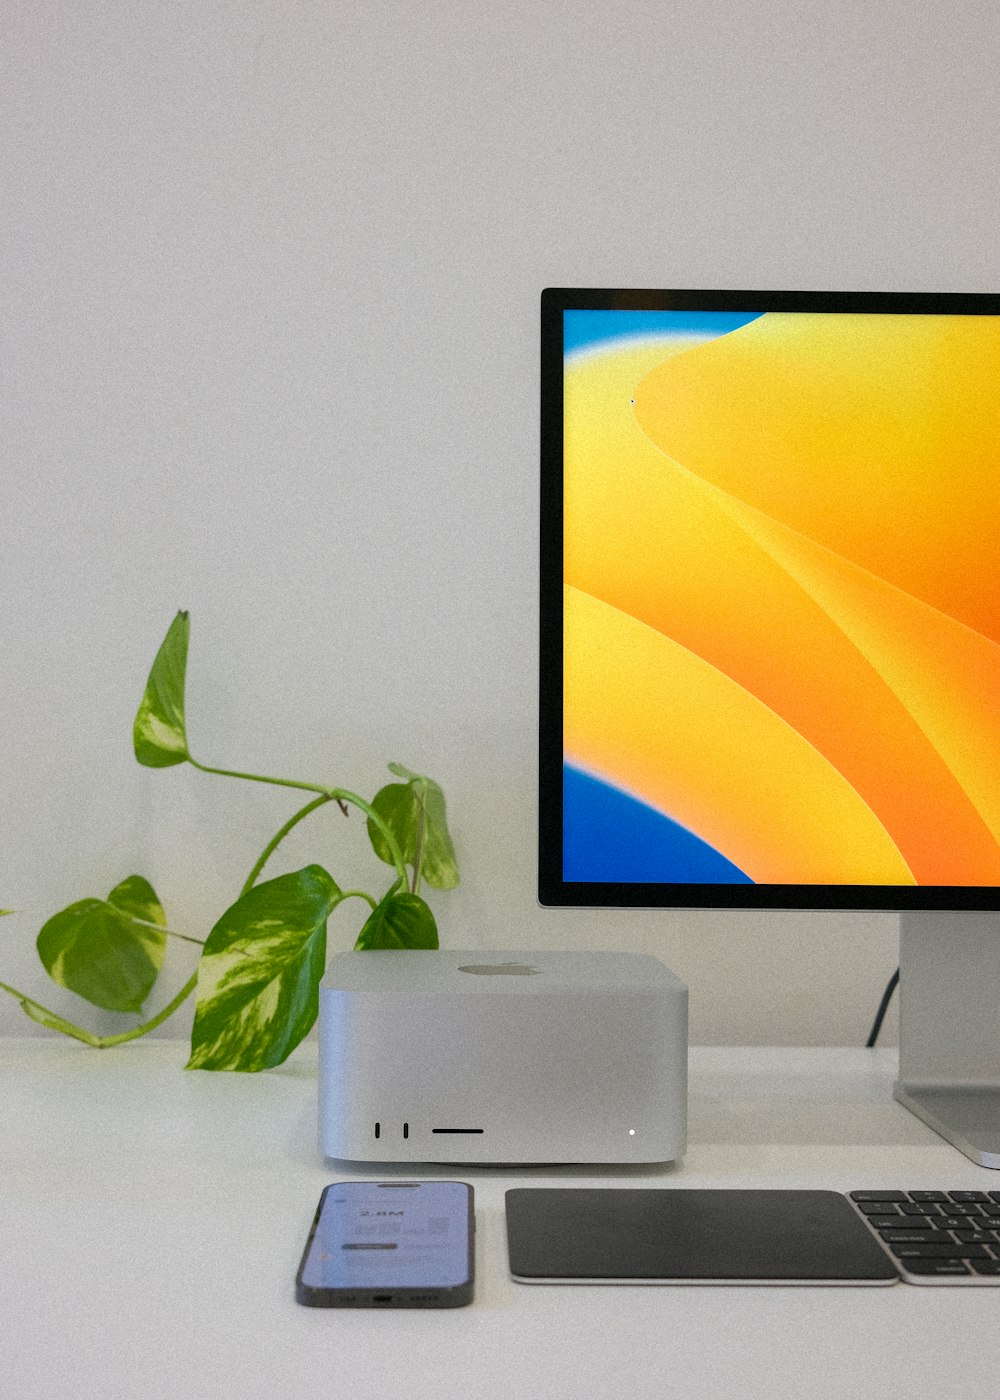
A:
(507, 969)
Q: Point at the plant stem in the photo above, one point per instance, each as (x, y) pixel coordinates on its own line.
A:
(370, 812)
(360, 894)
(53, 1020)
(418, 858)
(328, 794)
(56, 1022)
(104, 1041)
(170, 932)
(280, 835)
(259, 778)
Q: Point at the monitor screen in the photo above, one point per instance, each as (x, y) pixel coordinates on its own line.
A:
(770, 633)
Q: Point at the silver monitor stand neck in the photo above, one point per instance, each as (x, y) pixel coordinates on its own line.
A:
(949, 1027)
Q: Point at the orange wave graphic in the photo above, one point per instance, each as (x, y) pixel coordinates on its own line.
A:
(778, 506)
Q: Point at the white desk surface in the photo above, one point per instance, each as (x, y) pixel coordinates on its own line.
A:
(153, 1221)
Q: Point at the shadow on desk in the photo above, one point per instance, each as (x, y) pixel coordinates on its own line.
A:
(809, 1097)
(762, 1125)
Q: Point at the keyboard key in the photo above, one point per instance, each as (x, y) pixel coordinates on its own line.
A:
(907, 1236)
(876, 1208)
(952, 1222)
(928, 1195)
(938, 1268)
(927, 1208)
(965, 1196)
(961, 1208)
(950, 1250)
(889, 1222)
(986, 1266)
(884, 1196)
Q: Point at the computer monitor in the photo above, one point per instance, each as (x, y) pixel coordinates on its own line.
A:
(770, 632)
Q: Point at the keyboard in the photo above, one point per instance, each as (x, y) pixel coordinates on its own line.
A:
(936, 1236)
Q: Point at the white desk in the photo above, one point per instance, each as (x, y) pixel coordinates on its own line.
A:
(153, 1221)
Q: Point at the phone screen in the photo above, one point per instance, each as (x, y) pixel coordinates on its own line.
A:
(390, 1244)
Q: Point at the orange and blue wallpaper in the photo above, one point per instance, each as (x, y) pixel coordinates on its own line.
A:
(781, 631)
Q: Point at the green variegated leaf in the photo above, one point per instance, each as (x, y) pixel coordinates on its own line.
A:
(400, 920)
(414, 811)
(159, 734)
(259, 974)
(136, 897)
(96, 949)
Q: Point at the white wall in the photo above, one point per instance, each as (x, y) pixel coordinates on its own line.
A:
(270, 275)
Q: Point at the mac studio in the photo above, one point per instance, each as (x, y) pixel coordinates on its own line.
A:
(481, 1058)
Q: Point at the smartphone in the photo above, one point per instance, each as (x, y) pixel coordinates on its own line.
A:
(389, 1244)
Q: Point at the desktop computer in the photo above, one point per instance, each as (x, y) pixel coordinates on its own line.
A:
(770, 632)
(484, 1058)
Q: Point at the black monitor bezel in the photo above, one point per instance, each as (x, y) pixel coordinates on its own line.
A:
(552, 888)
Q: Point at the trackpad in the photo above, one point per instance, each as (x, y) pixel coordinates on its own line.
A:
(607, 1235)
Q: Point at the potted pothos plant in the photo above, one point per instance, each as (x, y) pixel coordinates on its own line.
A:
(256, 983)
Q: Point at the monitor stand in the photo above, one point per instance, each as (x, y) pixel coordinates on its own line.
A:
(949, 1027)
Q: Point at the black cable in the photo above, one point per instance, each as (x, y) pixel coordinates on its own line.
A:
(891, 986)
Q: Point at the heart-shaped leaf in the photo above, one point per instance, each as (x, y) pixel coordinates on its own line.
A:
(399, 920)
(159, 734)
(259, 974)
(414, 811)
(96, 948)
